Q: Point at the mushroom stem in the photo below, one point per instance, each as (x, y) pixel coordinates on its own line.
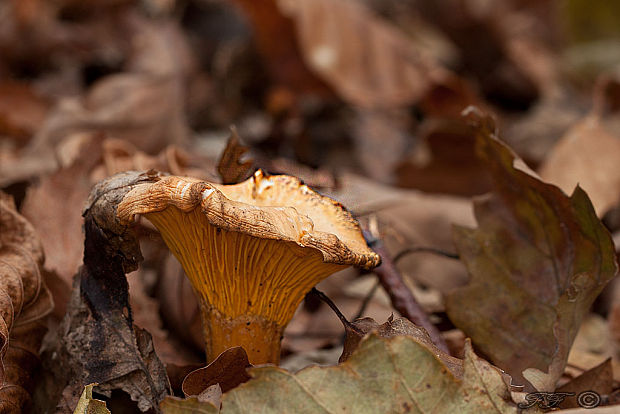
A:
(259, 337)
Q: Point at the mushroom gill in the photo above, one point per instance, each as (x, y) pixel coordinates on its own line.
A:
(251, 251)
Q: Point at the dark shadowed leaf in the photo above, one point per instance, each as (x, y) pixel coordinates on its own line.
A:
(228, 370)
(598, 379)
(97, 341)
(230, 166)
(537, 261)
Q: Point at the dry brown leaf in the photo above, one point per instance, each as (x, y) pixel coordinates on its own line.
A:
(24, 304)
(22, 111)
(46, 204)
(121, 104)
(589, 152)
(97, 340)
(53, 207)
(446, 161)
(588, 155)
(395, 327)
(410, 218)
(598, 379)
(538, 259)
(231, 167)
(146, 312)
(228, 371)
(365, 59)
(120, 155)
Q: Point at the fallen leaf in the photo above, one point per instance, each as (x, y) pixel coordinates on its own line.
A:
(300, 360)
(119, 156)
(53, 206)
(24, 304)
(411, 218)
(120, 104)
(191, 405)
(587, 155)
(598, 379)
(147, 315)
(89, 405)
(228, 370)
(537, 261)
(231, 168)
(384, 375)
(365, 59)
(22, 111)
(445, 162)
(212, 395)
(175, 294)
(359, 328)
(97, 341)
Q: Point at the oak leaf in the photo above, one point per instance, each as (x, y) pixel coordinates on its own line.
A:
(383, 376)
(537, 261)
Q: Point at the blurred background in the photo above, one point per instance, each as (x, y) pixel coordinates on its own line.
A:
(362, 99)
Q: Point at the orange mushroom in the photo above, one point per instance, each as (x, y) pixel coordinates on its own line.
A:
(251, 251)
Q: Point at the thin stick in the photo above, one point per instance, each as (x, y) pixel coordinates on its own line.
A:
(332, 305)
(432, 250)
(400, 295)
(367, 300)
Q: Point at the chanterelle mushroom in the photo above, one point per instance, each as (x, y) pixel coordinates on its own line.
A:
(251, 251)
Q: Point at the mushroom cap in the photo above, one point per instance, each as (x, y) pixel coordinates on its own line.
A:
(276, 207)
(251, 250)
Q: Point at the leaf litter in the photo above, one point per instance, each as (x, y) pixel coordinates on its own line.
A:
(360, 99)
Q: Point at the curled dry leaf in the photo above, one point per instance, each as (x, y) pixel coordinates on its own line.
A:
(231, 168)
(93, 158)
(537, 261)
(24, 303)
(98, 330)
(359, 328)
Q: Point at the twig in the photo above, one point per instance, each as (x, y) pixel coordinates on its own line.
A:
(432, 250)
(400, 295)
(332, 305)
(367, 300)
